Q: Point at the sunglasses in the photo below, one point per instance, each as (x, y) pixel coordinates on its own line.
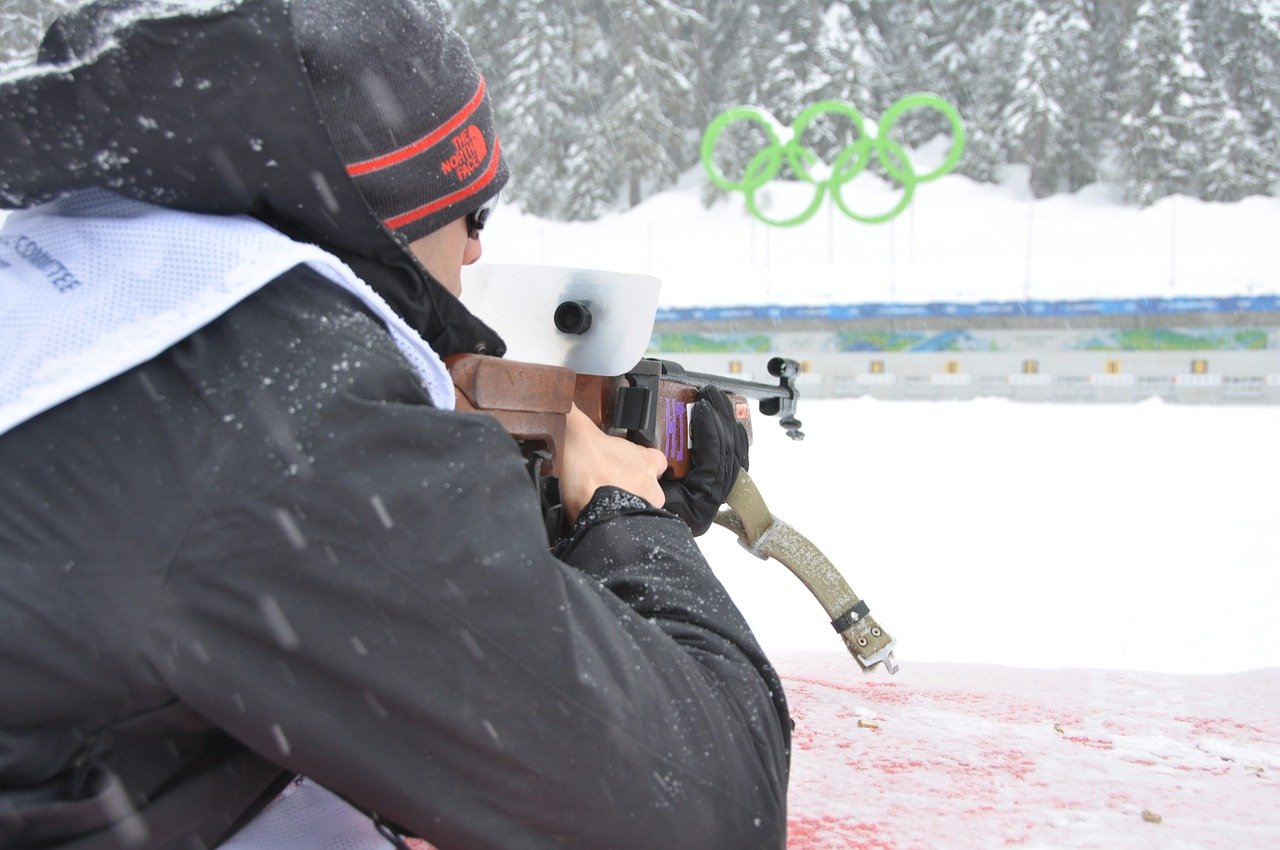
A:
(477, 218)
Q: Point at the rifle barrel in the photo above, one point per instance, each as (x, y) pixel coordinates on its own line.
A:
(750, 389)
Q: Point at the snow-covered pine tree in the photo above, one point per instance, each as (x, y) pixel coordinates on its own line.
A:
(865, 26)
(975, 51)
(909, 65)
(1052, 116)
(1269, 131)
(1235, 164)
(794, 75)
(851, 50)
(486, 35)
(728, 49)
(855, 50)
(548, 105)
(1240, 49)
(646, 87)
(1161, 103)
(731, 56)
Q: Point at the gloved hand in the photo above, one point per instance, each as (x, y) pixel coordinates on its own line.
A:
(719, 450)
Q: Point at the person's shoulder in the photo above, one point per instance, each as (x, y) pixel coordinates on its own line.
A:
(299, 320)
(306, 302)
(301, 339)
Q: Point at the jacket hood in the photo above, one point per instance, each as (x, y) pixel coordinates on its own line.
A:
(205, 106)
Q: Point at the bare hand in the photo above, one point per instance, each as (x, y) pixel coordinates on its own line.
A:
(592, 459)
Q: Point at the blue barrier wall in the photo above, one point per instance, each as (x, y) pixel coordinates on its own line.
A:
(980, 309)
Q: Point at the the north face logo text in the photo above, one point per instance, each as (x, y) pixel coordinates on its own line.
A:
(469, 152)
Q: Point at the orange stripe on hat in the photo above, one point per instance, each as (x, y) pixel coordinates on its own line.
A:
(461, 195)
(425, 143)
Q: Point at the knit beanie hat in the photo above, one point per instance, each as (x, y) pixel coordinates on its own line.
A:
(405, 106)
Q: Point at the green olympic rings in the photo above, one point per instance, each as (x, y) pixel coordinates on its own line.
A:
(848, 164)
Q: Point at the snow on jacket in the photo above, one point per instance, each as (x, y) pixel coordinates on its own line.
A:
(265, 553)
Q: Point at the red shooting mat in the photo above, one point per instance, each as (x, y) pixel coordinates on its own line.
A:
(953, 757)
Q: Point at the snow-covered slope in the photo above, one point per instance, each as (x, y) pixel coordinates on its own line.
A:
(958, 241)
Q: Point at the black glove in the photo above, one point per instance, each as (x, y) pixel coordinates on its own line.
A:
(719, 451)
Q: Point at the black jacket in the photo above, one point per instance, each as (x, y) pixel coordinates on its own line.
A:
(265, 553)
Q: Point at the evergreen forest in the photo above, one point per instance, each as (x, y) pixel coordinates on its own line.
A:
(603, 102)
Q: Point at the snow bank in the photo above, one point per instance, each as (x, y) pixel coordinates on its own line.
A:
(958, 241)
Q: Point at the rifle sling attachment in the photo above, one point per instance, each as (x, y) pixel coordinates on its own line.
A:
(848, 618)
(765, 536)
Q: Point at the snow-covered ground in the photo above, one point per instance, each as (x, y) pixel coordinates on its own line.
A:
(1141, 537)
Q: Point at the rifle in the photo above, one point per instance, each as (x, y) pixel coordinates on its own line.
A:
(649, 405)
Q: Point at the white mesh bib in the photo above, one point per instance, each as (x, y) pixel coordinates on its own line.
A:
(307, 816)
(93, 284)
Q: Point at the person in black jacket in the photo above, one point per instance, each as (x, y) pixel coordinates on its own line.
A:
(244, 538)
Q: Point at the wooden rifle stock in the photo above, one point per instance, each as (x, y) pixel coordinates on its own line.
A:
(529, 400)
(532, 401)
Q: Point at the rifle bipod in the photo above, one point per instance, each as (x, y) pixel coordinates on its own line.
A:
(765, 536)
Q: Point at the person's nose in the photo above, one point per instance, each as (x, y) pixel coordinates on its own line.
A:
(473, 250)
